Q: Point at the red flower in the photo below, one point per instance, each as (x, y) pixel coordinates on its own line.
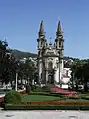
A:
(2, 99)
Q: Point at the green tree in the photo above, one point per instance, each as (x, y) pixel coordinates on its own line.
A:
(27, 70)
(7, 64)
(80, 73)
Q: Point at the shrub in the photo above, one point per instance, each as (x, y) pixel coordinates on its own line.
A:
(46, 89)
(12, 97)
(42, 89)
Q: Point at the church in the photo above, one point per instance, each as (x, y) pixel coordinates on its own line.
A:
(50, 58)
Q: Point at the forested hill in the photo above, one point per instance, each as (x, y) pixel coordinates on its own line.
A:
(20, 54)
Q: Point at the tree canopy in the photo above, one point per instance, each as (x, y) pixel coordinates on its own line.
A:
(9, 65)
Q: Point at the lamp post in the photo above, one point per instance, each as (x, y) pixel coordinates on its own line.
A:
(16, 78)
(16, 81)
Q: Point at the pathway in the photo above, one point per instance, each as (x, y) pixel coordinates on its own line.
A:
(44, 115)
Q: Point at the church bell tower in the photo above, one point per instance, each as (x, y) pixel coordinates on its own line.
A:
(41, 45)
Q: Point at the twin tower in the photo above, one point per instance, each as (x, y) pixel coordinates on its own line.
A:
(50, 57)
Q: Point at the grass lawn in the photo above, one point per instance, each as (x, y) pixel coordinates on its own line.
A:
(39, 98)
(44, 98)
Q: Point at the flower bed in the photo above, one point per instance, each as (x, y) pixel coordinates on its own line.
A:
(53, 103)
(1, 99)
(65, 92)
(49, 105)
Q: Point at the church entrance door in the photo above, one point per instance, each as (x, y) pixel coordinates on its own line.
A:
(51, 78)
(50, 73)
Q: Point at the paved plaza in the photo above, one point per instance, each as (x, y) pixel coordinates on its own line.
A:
(44, 114)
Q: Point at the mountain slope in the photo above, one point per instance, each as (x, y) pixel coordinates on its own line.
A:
(20, 54)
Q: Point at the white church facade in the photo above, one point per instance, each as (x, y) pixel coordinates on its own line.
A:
(50, 59)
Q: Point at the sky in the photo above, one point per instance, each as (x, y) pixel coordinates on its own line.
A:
(20, 21)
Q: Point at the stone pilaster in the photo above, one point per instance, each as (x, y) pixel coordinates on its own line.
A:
(40, 71)
(55, 77)
(46, 76)
(62, 65)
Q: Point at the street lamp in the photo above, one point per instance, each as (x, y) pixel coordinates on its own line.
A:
(16, 81)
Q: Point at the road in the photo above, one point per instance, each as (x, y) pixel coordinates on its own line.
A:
(44, 114)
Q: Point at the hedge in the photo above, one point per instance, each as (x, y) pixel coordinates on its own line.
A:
(41, 89)
(48, 106)
(47, 94)
(22, 107)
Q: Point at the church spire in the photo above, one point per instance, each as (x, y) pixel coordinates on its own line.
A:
(41, 30)
(59, 29)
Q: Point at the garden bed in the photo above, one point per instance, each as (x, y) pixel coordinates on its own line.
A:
(42, 102)
(48, 101)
